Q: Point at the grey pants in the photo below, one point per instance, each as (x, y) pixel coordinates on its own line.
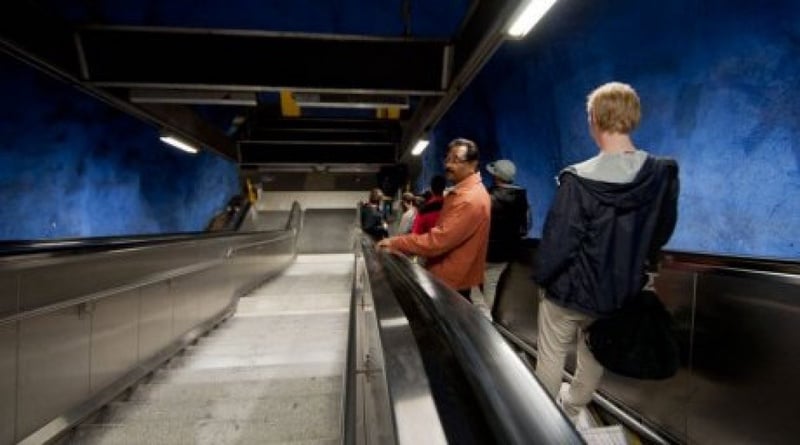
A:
(490, 279)
(559, 328)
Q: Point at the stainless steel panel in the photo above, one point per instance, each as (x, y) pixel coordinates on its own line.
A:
(375, 417)
(736, 321)
(668, 410)
(398, 361)
(267, 220)
(517, 301)
(155, 319)
(250, 265)
(192, 293)
(114, 338)
(327, 231)
(746, 361)
(9, 292)
(8, 381)
(91, 273)
(53, 367)
(57, 347)
(182, 309)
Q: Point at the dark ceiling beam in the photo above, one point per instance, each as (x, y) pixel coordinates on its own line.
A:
(258, 122)
(253, 153)
(57, 52)
(334, 131)
(259, 61)
(188, 97)
(294, 136)
(481, 34)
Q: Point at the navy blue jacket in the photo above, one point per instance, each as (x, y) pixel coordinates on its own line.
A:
(599, 237)
(509, 222)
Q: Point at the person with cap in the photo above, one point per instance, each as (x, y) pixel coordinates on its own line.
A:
(510, 221)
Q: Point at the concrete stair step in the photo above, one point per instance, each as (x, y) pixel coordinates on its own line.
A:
(330, 356)
(246, 389)
(249, 373)
(205, 432)
(291, 412)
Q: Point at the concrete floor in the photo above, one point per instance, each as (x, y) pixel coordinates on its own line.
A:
(273, 373)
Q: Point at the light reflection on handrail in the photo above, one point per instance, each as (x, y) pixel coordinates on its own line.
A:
(517, 408)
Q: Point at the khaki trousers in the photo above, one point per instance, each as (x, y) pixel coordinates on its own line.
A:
(559, 328)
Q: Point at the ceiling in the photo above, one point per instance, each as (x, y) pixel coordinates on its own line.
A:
(269, 84)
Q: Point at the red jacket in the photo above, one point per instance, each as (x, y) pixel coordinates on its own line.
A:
(456, 246)
(427, 215)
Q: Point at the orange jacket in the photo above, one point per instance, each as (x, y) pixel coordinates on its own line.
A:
(456, 247)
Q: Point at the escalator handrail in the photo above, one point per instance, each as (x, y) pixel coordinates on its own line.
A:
(78, 246)
(295, 220)
(519, 410)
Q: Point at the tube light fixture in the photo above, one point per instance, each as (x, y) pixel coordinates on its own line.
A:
(421, 145)
(178, 143)
(528, 16)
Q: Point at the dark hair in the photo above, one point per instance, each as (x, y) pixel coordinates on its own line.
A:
(438, 183)
(472, 153)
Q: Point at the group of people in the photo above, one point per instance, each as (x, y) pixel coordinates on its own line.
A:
(419, 214)
(610, 216)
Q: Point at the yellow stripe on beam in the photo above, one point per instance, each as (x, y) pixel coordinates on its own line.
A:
(387, 113)
(289, 107)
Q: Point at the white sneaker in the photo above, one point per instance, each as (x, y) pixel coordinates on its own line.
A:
(583, 420)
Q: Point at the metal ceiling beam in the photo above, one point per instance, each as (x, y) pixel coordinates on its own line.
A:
(481, 34)
(254, 153)
(322, 100)
(159, 96)
(135, 57)
(320, 137)
(58, 53)
(260, 122)
(318, 131)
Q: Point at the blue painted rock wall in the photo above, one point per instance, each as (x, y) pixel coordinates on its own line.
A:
(719, 83)
(71, 166)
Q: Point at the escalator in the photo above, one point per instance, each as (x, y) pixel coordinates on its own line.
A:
(181, 340)
(272, 373)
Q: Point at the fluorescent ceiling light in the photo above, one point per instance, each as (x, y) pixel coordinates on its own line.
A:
(530, 15)
(422, 144)
(177, 143)
(165, 96)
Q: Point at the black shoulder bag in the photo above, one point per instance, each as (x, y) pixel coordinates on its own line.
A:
(636, 342)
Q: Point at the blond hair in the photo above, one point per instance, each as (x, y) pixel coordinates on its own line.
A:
(614, 107)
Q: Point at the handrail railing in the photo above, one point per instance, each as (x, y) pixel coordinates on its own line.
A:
(517, 408)
(295, 220)
(103, 243)
(388, 398)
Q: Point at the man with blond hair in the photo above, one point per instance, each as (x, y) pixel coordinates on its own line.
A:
(611, 215)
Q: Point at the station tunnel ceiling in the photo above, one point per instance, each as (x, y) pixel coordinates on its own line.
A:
(276, 83)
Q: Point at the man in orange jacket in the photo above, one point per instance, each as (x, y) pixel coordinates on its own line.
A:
(456, 247)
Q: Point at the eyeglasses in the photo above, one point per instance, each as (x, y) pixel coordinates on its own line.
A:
(454, 160)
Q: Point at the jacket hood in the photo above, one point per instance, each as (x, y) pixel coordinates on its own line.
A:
(641, 190)
(507, 193)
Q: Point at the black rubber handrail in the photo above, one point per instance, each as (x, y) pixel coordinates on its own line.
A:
(517, 408)
(75, 246)
(712, 261)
